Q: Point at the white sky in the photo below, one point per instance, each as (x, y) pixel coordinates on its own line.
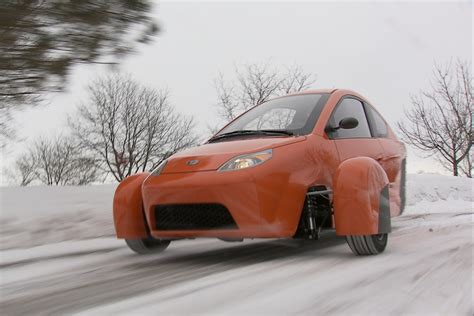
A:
(385, 51)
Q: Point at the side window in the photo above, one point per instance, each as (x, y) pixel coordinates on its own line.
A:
(350, 108)
(378, 125)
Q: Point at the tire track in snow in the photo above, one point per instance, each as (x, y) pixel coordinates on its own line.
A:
(287, 265)
(125, 276)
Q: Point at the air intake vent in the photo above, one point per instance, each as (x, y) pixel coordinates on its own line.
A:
(193, 217)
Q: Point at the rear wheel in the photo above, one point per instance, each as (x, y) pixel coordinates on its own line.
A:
(368, 244)
(148, 245)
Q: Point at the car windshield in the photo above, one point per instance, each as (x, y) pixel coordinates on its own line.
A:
(296, 114)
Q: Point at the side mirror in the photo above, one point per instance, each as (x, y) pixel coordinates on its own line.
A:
(345, 123)
(348, 123)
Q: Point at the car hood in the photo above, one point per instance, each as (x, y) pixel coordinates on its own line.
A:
(211, 156)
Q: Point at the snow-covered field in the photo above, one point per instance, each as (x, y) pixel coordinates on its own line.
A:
(58, 256)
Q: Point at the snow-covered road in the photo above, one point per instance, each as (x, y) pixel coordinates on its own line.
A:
(427, 268)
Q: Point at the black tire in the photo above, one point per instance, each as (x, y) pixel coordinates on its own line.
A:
(147, 246)
(367, 245)
(403, 186)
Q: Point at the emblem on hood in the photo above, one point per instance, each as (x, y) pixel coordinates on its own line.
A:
(192, 162)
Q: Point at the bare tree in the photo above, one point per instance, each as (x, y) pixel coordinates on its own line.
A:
(23, 171)
(42, 40)
(296, 79)
(55, 161)
(440, 122)
(255, 84)
(7, 131)
(227, 107)
(466, 165)
(129, 128)
(84, 170)
(60, 161)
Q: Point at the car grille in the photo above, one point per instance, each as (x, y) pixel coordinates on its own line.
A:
(193, 216)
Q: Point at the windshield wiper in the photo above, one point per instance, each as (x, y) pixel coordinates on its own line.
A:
(251, 132)
(277, 131)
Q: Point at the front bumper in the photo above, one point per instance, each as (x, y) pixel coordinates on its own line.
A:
(263, 205)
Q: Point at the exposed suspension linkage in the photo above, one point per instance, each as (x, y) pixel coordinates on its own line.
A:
(318, 211)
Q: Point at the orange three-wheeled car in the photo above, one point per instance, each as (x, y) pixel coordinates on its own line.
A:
(287, 168)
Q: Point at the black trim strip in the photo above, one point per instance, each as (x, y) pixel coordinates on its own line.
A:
(385, 223)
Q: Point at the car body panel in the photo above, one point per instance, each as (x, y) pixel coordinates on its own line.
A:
(266, 200)
(359, 186)
(129, 218)
(263, 204)
(212, 156)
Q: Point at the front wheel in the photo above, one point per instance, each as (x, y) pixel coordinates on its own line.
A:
(147, 246)
(368, 244)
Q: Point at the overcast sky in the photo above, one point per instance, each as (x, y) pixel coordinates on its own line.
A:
(385, 51)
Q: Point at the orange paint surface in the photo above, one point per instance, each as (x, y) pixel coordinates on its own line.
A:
(267, 200)
(357, 186)
(128, 208)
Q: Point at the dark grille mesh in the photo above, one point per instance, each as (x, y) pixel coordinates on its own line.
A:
(193, 216)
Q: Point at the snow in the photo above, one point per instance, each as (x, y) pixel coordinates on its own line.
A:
(432, 188)
(37, 215)
(58, 255)
(38, 201)
(52, 258)
(301, 285)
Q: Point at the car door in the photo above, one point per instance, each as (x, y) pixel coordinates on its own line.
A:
(355, 142)
(392, 158)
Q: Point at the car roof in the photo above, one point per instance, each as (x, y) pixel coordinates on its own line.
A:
(313, 91)
(340, 92)
(329, 91)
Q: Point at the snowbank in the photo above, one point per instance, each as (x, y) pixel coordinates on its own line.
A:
(435, 187)
(32, 216)
(39, 201)
(433, 193)
(37, 215)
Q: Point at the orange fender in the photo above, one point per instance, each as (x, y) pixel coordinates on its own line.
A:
(361, 198)
(128, 208)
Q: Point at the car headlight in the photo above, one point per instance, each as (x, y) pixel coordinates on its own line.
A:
(158, 169)
(247, 161)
